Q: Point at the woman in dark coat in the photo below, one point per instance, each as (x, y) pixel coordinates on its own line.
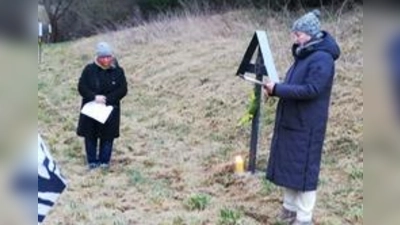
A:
(394, 64)
(104, 82)
(301, 118)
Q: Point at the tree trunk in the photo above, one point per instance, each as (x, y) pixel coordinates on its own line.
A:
(54, 36)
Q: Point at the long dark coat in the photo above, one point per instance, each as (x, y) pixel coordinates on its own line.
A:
(394, 64)
(110, 83)
(301, 117)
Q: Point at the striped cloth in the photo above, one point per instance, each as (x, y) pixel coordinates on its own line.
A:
(50, 181)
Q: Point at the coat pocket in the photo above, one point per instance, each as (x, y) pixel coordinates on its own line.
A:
(292, 117)
(301, 116)
(295, 145)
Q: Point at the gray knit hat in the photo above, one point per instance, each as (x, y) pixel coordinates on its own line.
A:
(309, 23)
(103, 49)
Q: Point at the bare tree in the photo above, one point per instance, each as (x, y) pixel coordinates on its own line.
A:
(56, 9)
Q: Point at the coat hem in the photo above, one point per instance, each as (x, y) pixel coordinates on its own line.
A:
(281, 184)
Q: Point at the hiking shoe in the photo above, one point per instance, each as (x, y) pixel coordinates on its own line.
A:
(92, 166)
(105, 166)
(287, 216)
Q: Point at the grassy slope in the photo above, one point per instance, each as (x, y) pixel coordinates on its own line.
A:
(179, 125)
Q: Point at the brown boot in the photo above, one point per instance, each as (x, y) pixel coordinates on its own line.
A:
(287, 216)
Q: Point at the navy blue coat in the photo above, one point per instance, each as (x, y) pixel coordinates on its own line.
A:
(302, 115)
(394, 60)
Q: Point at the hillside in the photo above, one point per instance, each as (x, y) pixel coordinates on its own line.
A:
(179, 125)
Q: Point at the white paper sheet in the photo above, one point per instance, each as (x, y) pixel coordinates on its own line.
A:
(99, 112)
(252, 80)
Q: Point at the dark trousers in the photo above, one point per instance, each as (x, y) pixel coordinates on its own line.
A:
(103, 156)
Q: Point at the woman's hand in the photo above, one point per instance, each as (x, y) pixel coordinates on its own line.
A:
(101, 99)
(269, 87)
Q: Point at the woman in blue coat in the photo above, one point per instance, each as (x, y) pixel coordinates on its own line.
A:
(301, 118)
(394, 63)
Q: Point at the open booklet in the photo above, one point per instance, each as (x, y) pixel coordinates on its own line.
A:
(97, 111)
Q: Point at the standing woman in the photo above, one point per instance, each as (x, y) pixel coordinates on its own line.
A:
(104, 82)
(394, 64)
(301, 118)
